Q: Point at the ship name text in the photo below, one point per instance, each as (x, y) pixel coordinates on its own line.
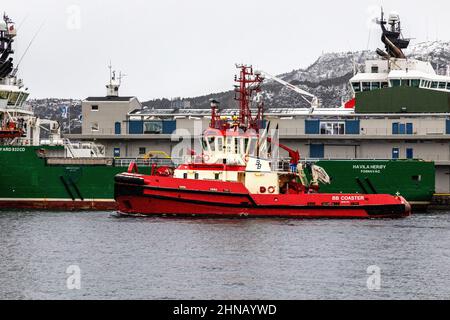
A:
(12, 149)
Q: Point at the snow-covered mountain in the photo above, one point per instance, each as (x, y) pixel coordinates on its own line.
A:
(327, 78)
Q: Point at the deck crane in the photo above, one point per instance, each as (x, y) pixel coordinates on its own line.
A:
(314, 103)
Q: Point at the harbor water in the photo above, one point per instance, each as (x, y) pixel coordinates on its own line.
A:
(97, 255)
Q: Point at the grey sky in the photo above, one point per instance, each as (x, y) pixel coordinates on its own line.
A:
(171, 48)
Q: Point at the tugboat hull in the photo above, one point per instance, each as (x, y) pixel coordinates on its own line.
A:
(158, 196)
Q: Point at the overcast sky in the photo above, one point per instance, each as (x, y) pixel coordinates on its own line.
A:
(171, 48)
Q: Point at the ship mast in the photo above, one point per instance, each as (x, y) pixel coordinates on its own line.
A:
(248, 84)
(247, 88)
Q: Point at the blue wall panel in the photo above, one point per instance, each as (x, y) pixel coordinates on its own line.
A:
(312, 126)
(316, 151)
(169, 127)
(136, 127)
(352, 127)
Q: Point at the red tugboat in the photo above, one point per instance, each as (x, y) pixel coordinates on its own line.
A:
(236, 176)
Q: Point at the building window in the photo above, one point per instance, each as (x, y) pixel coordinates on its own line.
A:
(94, 127)
(332, 128)
(117, 128)
(153, 127)
(116, 152)
(142, 151)
(409, 153)
(402, 128)
(374, 69)
(395, 153)
(94, 108)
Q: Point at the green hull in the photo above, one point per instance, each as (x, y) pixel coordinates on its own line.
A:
(27, 181)
(413, 179)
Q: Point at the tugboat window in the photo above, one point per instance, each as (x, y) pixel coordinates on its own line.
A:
(220, 144)
(405, 83)
(448, 86)
(385, 85)
(434, 85)
(366, 86)
(211, 142)
(94, 108)
(442, 85)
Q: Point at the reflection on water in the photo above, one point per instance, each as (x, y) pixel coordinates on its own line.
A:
(145, 258)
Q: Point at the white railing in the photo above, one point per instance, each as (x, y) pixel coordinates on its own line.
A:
(121, 162)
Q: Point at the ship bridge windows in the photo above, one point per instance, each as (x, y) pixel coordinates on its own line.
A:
(219, 144)
(375, 85)
(356, 86)
(415, 83)
(4, 95)
(395, 83)
(13, 97)
(448, 86)
(442, 85)
(211, 143)
(434, 84)
(366, 86)
(252, 145)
